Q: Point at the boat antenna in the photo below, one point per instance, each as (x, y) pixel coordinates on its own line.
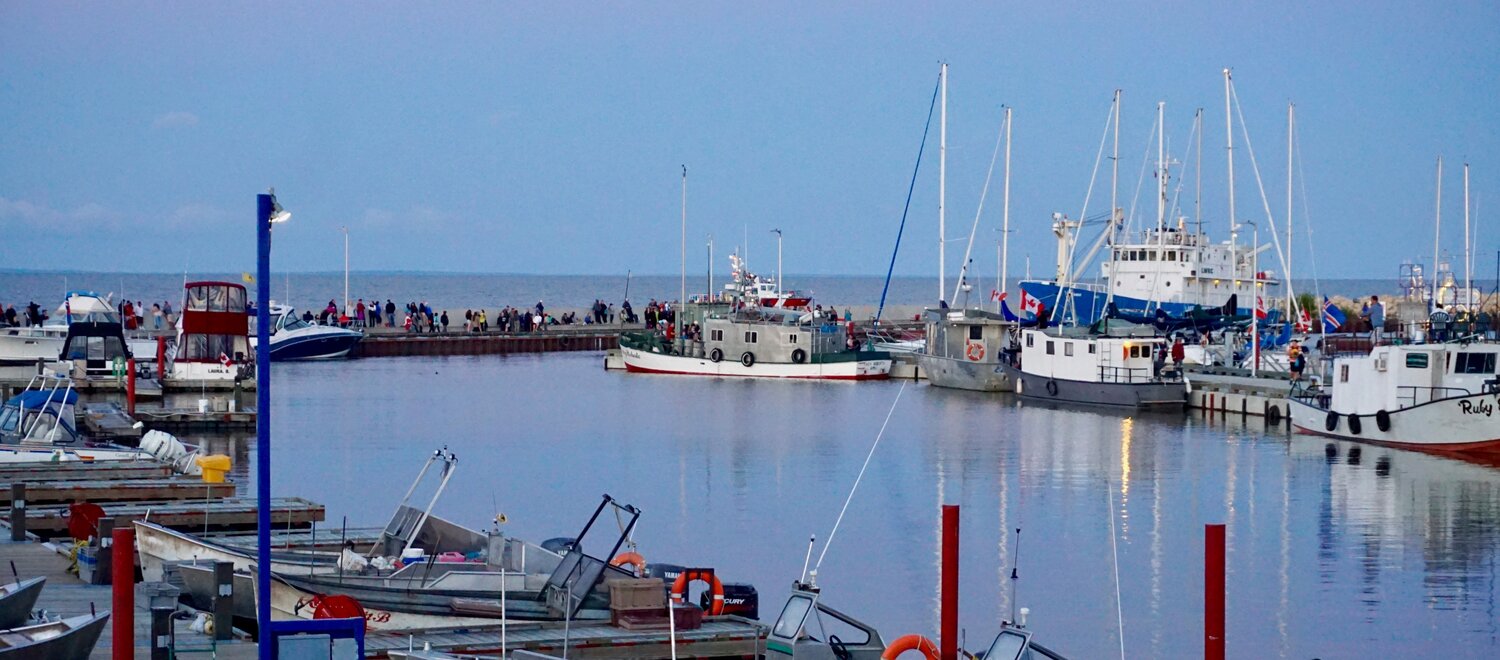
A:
(857, 479)
(805, 560)
(916, 169)
(1015, 575)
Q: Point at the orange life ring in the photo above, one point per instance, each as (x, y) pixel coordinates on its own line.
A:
(905, 643)
(679, 587)
(974, 351)
(635, 560)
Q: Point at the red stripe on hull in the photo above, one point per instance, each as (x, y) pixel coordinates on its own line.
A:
(1478, 446)
(631, 368)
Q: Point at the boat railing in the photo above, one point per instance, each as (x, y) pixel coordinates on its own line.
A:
(38, 383)
(1413, 395)
(1109, 374)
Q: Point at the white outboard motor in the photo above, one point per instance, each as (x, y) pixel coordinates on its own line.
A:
(166, 448)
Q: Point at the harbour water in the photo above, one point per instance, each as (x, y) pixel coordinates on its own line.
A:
(1335, 550)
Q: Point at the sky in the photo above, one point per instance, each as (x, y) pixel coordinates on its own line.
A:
(550, 138)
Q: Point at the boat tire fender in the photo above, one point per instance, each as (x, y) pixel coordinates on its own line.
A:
(1273, 414)
(747, 359)
(1331, 423)
(716, 355)
(1382, 420)
(1354, 425)
(799, 356)
(1052, 387)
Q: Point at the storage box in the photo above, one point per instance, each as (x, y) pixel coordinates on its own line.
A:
(631, 594)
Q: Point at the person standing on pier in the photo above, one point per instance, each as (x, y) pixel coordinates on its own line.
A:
(390, 313)
(1375, 315)
(1296, 360)
(156, 315)
(445, 320)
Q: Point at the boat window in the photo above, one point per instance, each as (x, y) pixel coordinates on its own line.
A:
(1151, 255)
(1170, 256)
(236, 300)
(1343, 373)
(791, 338)
(831, 625)
(1068, 348)
(1091, 349)
(1008, 646)
(1028, 341)
(218, 299)
(750, 337)
(976, 332)
(716, 335)
(1416, 360)
(197, 299)
(1049, 349)
(8, 418)
(1475, 363)
(1117, 255)
(792, 614)
(296, 323)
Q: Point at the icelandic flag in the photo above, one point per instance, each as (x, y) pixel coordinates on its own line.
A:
(1030, 305)
(1333, 317)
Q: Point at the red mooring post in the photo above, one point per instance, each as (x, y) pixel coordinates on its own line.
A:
(122, 615)
(161, 358)
(130, 386)
(948, 639)
(1213, 592)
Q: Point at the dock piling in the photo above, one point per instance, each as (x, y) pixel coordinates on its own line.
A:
(1213, 591)
(18, 511)
(123, 616)
(948, 635)
(223, 600)
(130, 386)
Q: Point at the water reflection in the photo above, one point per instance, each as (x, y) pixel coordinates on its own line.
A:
(1335, 548)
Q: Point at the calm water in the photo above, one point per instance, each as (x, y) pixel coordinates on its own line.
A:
(1333, 552)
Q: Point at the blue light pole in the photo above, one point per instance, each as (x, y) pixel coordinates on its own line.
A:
(265, 207)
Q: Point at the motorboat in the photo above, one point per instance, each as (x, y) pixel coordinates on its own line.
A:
(84, 328)
(1438, 397)
(968, 349)
(65, 639)
(756, 342)
(213, 337)
(38, 425)
(1076, 366)
(295, 339)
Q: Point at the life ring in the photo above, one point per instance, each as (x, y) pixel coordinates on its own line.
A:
(1331, 422)
(715, 355)
(634, 559)
(1382, 420)
(1354, 424)
(904, 643)
(679, 586)
(974, 351)
(799, 356)
(1052, 387)
(747, 359)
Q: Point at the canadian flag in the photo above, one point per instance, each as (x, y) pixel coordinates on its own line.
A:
(224, 360)
(1260, 308)
(1304, 322)
(997, 295)
(1030, 304)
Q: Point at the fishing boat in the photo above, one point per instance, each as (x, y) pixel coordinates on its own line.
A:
(1438, 397)
(295, 339)
(213, 337)
(757, 342)
(66, 639)
(761, 291)
(17, 599)
(1075, 366)
(968, 349)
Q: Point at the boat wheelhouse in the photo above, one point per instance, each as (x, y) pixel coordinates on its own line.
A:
(756, 343)
(1112, 370)
(213, 340)
(1422, 396)
(968, 349)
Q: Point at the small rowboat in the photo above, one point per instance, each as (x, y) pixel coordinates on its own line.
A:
(17, 599)
(59, 640)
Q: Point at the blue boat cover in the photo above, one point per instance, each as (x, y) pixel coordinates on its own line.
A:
(34, 399)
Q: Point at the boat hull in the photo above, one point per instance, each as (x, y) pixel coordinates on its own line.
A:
(1152, 395)
(158, 546)
(960, 374)
(640, 361)
(12, 454)
(70, 638)
(1089, 303)
(1457, 424)
(17, 601)
(327, 344)
(289, 602)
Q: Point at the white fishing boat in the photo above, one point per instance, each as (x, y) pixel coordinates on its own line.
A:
(1438, 397)
(757, 343)
(1078, 367)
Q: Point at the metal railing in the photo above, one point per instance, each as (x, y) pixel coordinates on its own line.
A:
(1411, 395)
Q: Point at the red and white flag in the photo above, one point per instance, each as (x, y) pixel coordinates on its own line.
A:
(997, 295)
(1260, 308)
(1030, 304)
(1304, 322)
(224, 360)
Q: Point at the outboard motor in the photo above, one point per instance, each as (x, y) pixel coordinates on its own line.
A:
(561, 545)
(740, 599)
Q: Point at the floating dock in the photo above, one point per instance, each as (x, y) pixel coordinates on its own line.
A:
(551, 340)
(719, 637)
(1224, 391)
(179, 488)
(83, 470)
(191, 516)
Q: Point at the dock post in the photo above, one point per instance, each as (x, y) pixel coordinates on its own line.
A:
(161, 632)
(18, 511)
(224, 600)
(102, 559)
(161, 358)
(130, 386)
(948, 640)
(1213, 591)
(122, 618)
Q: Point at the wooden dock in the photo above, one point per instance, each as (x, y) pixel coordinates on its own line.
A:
(108, 421)
(127, 490)
(189, 419)
(192, 516)
(719, 637)
(81, 470)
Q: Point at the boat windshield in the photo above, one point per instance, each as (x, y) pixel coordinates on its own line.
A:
(8, 416)
(295, 323)
(792, 615)
(1010, 645)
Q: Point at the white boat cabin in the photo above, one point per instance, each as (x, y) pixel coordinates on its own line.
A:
(1090, 359)
(1179, 266)
(1391, 378)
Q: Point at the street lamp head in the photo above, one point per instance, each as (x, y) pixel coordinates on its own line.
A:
(278, 214)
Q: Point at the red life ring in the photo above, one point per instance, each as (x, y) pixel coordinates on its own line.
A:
(635, 560)
(974, 351)
(905, 643)
(679, 588)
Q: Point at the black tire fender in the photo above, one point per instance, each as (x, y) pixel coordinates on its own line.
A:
(799, 356)
(747, 359)
(715, 355)
(1354, 425)
(1382, 420)
(1332, 422)
(1052, 387)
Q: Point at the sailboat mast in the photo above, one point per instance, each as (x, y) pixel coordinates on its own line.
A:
(942, 187)
(1161, 167)
(1291, 301)
(677, 309)
(1437, 231)
(1005, 222)
(1468, 247)
(1198, 165)
(1114, 178)
(1234, 275)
